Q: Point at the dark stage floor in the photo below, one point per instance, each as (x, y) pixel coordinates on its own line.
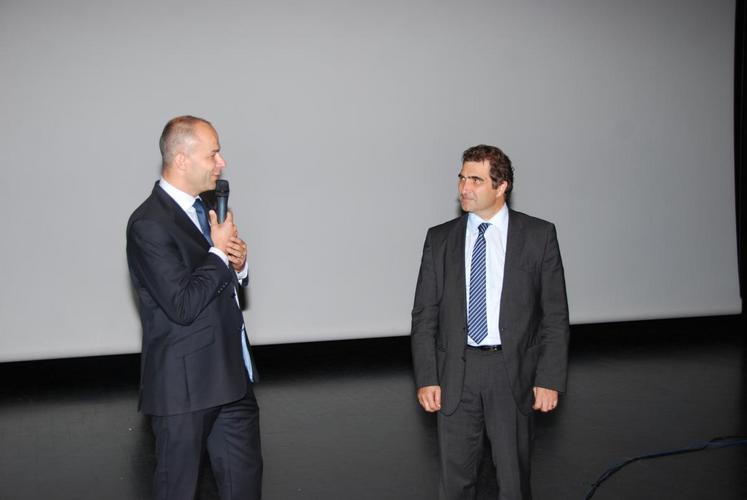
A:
(340, 421)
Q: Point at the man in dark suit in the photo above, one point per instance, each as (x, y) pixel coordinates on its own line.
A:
(489, 329)
(196, 371)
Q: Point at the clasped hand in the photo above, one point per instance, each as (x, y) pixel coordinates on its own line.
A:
(225, 237)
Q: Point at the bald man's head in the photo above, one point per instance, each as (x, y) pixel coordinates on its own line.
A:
(178, 136)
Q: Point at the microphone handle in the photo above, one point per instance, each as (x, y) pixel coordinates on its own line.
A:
(221, 208)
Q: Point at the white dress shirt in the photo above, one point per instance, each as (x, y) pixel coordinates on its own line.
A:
(495, 256)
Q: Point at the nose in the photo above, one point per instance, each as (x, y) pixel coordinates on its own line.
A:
(220, 161)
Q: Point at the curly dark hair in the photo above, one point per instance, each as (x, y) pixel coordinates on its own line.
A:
(500, 164)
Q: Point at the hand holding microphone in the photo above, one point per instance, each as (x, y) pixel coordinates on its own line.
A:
(234, 247)
(222, 232)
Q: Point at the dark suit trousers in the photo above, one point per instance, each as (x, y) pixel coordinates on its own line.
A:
(486, 407)
(230, 433)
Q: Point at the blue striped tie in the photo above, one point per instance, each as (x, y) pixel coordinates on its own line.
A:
(477, 315)
(202, 219)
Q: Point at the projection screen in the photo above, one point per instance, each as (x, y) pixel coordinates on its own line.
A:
(343, 123)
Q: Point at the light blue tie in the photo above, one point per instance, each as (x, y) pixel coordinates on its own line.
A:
(477, 315)
(202, 219)
(245, 353)
(205, 226)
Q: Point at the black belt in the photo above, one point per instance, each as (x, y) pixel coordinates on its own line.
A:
(498, 347)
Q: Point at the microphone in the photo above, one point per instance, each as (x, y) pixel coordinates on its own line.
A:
(221, 199)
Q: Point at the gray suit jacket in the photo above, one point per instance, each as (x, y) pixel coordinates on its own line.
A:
(533, 318)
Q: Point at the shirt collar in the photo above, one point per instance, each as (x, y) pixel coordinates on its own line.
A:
(184, 200)
(499, 220)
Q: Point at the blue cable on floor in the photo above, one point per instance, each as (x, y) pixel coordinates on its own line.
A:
(715, 443)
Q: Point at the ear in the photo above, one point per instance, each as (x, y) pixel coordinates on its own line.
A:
(180, 161)
(501, 189)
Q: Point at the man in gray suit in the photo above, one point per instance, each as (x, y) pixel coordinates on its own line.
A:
(489, 329)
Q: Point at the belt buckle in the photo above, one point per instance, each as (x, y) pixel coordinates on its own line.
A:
(487, 348)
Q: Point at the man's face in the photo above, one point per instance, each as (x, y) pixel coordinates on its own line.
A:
(476, 191)
(203, 161)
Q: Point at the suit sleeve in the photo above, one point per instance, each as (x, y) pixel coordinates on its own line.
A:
(555, 330)
(182, 293)
(425, 320)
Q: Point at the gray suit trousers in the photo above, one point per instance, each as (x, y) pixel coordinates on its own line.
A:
(487, 406)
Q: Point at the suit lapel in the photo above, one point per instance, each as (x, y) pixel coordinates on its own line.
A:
(514, 246)
(183, 222)
(457, 239)
(180, 218)
(514, 241)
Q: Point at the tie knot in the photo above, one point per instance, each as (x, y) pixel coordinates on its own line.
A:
(199, 205)
(483, 227)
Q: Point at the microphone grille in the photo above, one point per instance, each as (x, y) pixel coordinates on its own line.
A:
(221, 187)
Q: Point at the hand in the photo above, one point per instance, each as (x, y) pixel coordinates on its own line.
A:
(545, 399)
(237, 253)
(429, 397)
(221, 234)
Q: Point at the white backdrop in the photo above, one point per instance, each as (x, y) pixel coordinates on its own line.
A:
(343, 123)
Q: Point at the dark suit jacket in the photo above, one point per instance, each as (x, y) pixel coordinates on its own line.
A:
(191, 355)
(533, 317)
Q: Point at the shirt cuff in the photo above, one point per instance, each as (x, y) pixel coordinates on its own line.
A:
(244, 273)
(217, 251)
